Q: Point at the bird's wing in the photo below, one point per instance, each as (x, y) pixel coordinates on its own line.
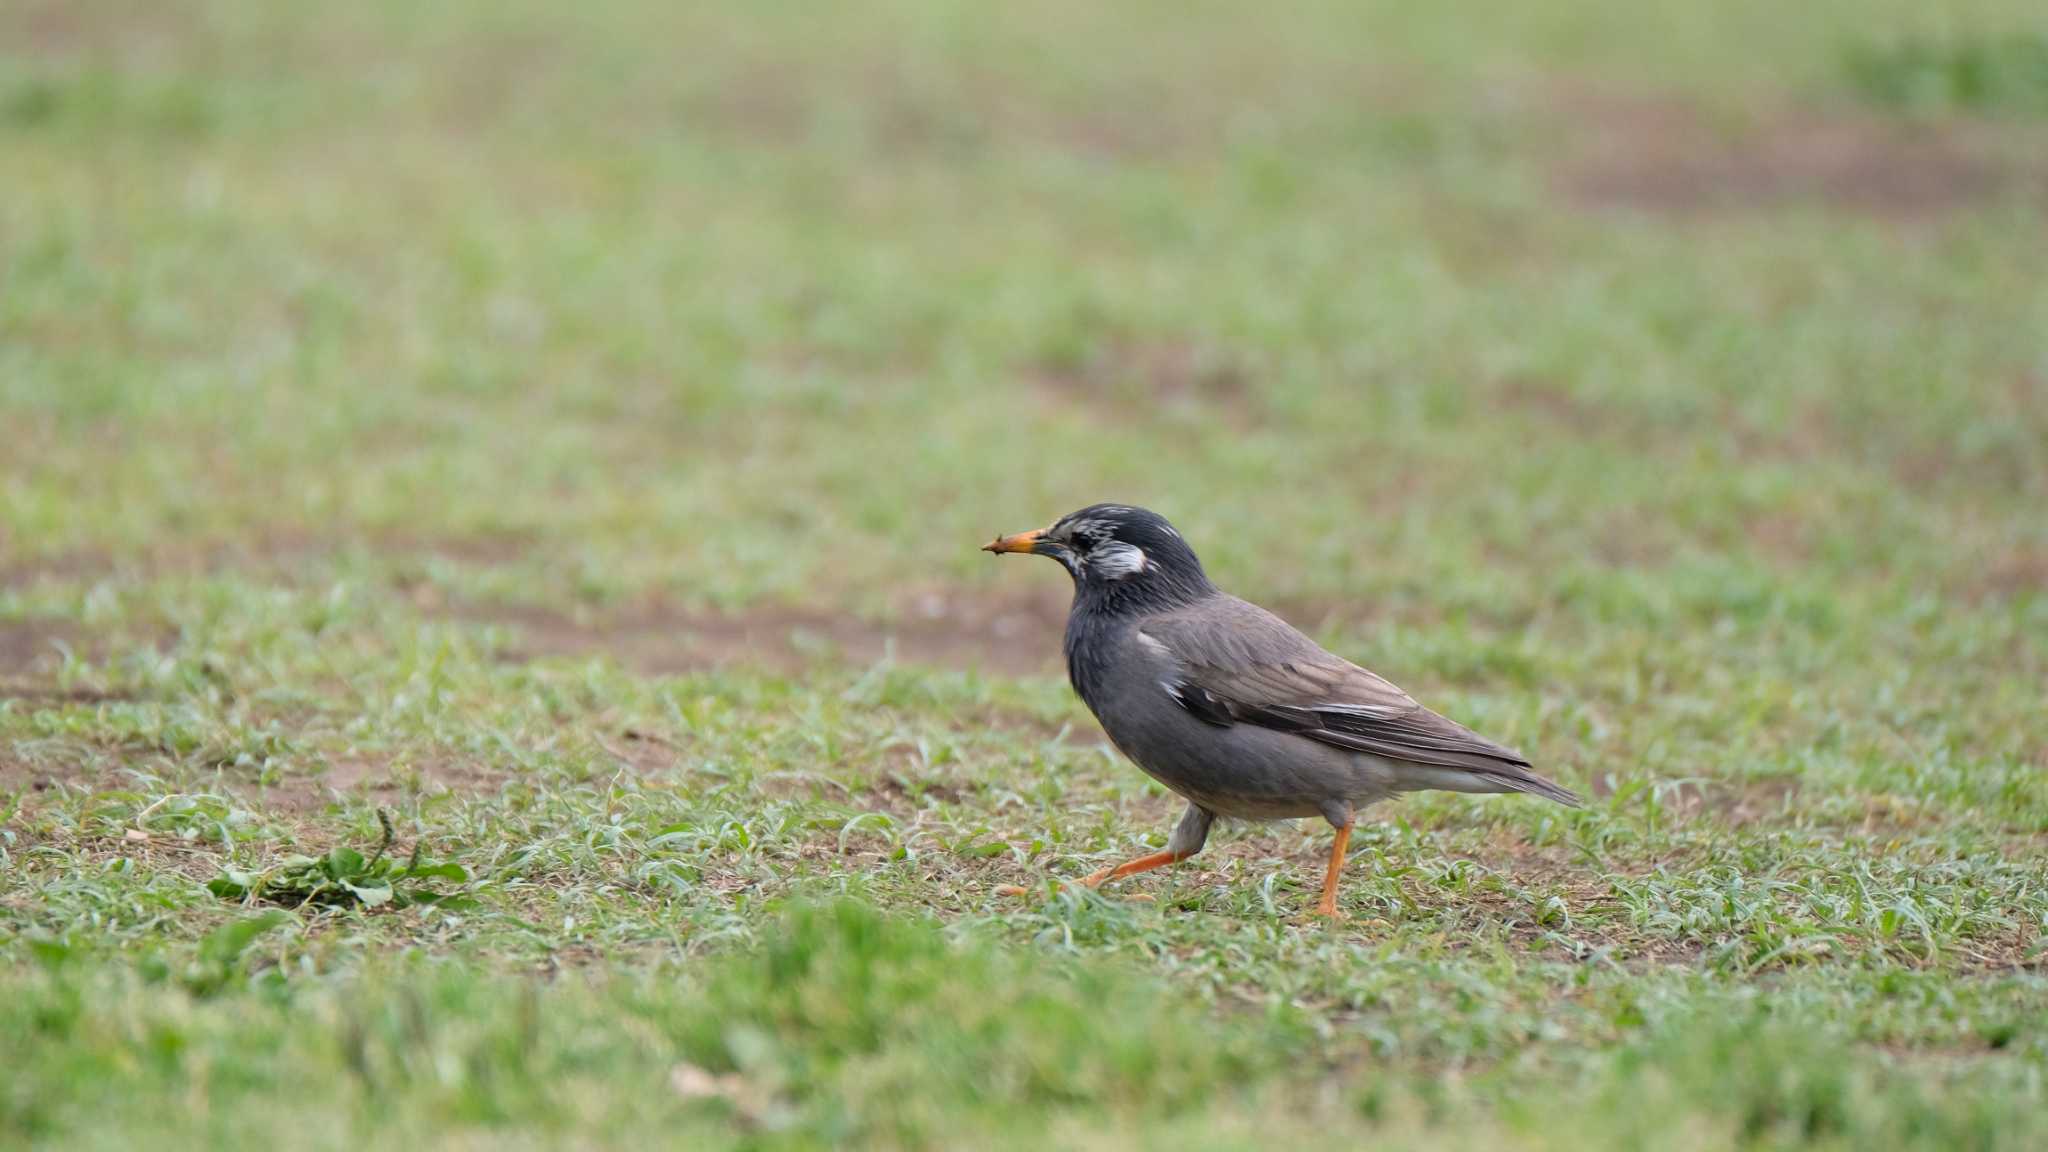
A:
(1240, 664)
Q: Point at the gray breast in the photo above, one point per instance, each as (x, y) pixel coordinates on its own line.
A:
(1238, 770)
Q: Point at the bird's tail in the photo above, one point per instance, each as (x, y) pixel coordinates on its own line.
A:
(1501, 778)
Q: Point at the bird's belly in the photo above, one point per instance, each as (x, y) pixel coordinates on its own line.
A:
(1244, 771)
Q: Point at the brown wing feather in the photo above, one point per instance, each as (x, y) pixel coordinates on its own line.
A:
(1242, 664)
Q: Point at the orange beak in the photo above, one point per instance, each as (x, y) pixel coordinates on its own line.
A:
(1021, 542)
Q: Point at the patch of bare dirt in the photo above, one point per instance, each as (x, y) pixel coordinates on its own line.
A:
(1545, 399)
(25, 642)
(72, 766)
(55, 28)
(282, 551)
(16, 772)
(1748, 801)
(2022, 947)
(269, 553)
(60, 569)
(1666, 156)
(196, 860)
(50, 694)
(1144, 380)
(1008, 633)
(901, 793)
(2021, 572)
(30, 652)
(1737, 801)
(383, 781)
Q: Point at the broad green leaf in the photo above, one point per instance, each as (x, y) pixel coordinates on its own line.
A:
(225, 944)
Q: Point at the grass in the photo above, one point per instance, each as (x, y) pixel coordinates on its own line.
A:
(2008, 74)
(493, 652)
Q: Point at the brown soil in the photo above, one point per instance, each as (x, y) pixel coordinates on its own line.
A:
(383, 781)
(2020, 573)
(1004, 633)
(70, 766)
(268, 553)
(1669, 157)
(15, 772)
(60, 569)
(1008, 633)
(1738, 801)
(71, 27)
(28, 650)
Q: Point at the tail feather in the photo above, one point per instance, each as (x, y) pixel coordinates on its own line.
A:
(1534, 785)
(1411, 777)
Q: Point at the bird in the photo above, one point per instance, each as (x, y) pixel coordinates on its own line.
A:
(1233, 709)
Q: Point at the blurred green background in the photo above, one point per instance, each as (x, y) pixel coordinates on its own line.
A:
(570, 428)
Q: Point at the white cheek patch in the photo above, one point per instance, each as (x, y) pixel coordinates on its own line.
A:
(1117, 560)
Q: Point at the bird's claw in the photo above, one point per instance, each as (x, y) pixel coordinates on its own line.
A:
(1091, 882)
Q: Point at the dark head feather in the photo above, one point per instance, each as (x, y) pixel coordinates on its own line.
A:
(1124, 557)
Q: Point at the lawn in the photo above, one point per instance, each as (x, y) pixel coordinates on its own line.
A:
(494, 652)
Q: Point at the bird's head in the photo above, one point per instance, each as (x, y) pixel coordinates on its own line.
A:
(1116, 551)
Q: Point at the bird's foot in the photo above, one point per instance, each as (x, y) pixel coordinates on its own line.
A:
(1098, 878)
(1093, 881)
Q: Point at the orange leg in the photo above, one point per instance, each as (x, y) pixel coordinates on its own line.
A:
(1328, 906)
(1133, 867)
(1097, 879)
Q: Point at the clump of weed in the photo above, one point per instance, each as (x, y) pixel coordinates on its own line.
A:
(344, 878)
(219, 962)
(2007, 74)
